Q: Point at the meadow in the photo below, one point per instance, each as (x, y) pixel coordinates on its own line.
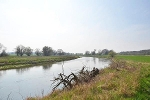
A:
(12, 62)
(125, 79)
(136, 58)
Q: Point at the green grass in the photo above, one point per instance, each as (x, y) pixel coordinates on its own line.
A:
(131, 81)
(12, 62)
(137, 58)
(143, 92)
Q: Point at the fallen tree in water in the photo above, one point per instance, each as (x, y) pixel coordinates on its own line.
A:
(74, 79)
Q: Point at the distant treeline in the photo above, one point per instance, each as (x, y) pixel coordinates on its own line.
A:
(141, 52)
(21, 50)
(100, 52)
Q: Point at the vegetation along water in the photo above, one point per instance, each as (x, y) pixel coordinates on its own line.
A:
(128, 77)
(13, 62)
(35, 81)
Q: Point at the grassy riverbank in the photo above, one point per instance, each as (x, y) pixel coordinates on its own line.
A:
(130, 80)
(12, 62)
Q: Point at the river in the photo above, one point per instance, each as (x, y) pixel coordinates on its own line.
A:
(18, 84)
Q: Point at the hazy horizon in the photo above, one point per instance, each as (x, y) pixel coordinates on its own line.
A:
(76, 25)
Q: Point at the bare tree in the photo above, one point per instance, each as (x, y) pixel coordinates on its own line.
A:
(104, 52)
(47, 51)
(2, 50)
(38, 52)
(87, 52)
(3, 53)
(28, 51)
(20, 50)
(54, 52)
(93, 52)
(2, 47)
(99, 52)
(60, 52)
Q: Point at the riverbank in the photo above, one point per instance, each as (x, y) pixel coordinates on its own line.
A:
(14, 62)
(123, 79)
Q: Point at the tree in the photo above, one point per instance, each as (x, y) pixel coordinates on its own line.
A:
(93, 52)
(3, 50)
(20, 50)
(28, 51)
(1, 46)
(104, 52)
(87, 52)
(38, 52)
(60, 52)
(99, 52)
(3, 53)
(47, 51)
(112, 53)
(54, 52)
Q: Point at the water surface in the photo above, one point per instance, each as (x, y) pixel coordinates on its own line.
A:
(18, 84)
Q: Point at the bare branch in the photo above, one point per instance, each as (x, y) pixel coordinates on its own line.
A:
(74, 79)
(8, 96)
(21, 96)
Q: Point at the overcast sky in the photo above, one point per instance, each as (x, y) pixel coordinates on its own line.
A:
(76, 25)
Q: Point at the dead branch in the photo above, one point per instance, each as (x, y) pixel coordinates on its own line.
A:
(74, 79)
(8, 96)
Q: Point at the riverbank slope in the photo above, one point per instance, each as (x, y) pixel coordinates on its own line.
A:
(123, 79)
(13, 62)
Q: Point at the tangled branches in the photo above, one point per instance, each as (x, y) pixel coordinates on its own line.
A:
(74, 79)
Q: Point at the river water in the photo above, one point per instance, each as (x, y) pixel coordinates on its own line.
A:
(18, 84)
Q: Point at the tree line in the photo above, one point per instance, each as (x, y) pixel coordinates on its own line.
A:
(112, 53)
(21, 50)
(46, 51)
(141, 52)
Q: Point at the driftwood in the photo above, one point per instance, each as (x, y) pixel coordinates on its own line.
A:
(74, 79)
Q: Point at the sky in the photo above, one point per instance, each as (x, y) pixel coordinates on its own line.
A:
(75, 25)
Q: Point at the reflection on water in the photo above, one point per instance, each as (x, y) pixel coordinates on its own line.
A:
(60, 63)
(47, 66)
(35, 81)
(22, 70)
(87, 60)
(94, 60)
(2, 73)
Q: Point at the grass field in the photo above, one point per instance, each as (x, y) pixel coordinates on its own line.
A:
(12, 62)
(129, 81)
(137, 58)
(143, 90)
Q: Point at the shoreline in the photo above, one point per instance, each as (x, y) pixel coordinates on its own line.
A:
(15, 62)
(123, 79)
